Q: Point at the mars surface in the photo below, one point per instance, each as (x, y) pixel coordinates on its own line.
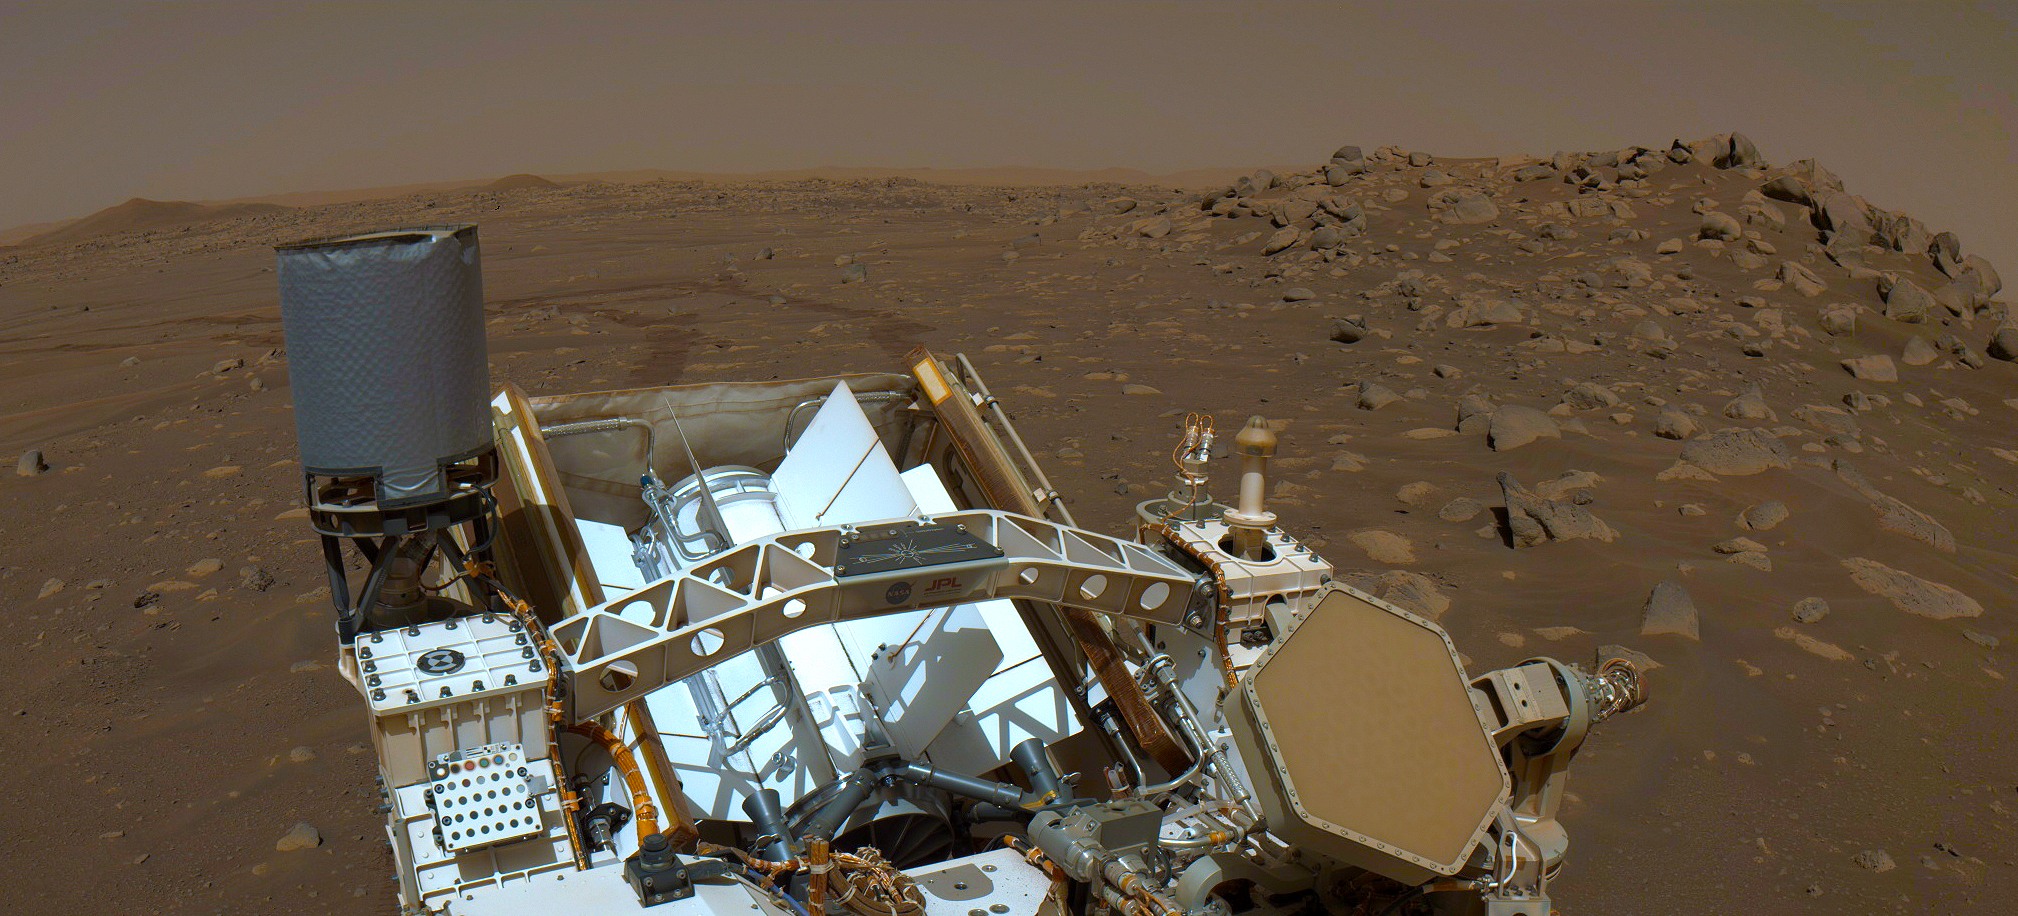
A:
(1675, 398)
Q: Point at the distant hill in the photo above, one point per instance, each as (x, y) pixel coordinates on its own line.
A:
(515, 182)
(141, 214)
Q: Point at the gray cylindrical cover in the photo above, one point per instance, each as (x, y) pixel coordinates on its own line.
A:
(386, 355)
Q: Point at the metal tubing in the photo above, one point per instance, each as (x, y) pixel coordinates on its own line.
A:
(973, 787)
(1036, 763)
(766, 810)
(833, 814)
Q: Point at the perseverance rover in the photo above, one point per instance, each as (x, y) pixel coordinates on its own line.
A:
(835, 646)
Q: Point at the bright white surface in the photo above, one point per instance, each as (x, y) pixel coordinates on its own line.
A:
(609, 549)
(1018, 699)
(956, 686)
(838, 471)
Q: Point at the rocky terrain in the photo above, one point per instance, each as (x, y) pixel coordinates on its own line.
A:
(1673, 398)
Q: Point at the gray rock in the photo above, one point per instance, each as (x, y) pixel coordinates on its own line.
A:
(1788, 188)
(1155, 228)
(1832, 420)
(1590, 396)
(1946, 252)
(1373, 396)
(1749, 406)
(1736, 452)
(1978, 281)
(1461, 509)
(1532, 520)
(1905, 300)
(1670, 612)
(1434, 178)
(1348, 331)
(303, 836)
(1841, 213)
(1414, 593)
(1345, 208)
(1474, 414)
(255, 579)
(1298, 294)
(1765, 516)
(1633, 272)
(1283, 240)
(1720, 226)
(1903, 233)
(31, 463)
(1810, 610)
(1919, 351)
(1839, 320)
(1674, 424)
(1739, 153)
(1534, 173)
(1462, 206)
(1801, 279)
(1879, 368)
(1515, 426)
(855, 273)
(1910, 593)
(1894, 514)
(2004, 344)
(1874, 859)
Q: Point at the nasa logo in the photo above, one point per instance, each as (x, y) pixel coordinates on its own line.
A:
(899, 593)
(439, 661)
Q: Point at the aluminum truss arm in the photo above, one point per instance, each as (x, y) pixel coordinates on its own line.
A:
(758, 592)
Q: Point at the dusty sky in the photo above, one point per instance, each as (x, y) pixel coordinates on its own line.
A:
(1911, 103)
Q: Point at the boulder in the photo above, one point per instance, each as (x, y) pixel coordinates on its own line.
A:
(1514, 426)
(1283, 240)
(1462, 206)
(1413, 592)
(1720, 226)
(1910, 593)
(1738, 152)
(1674, 424)
(1788, 188)
(2004, 344)
(1532, 519)
(1763, 517)
(1749, 406)
(1879, 368)
(1669, 611)
(1905, 300)
(1919, 351)
(1894, 514)
(1736, 452)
